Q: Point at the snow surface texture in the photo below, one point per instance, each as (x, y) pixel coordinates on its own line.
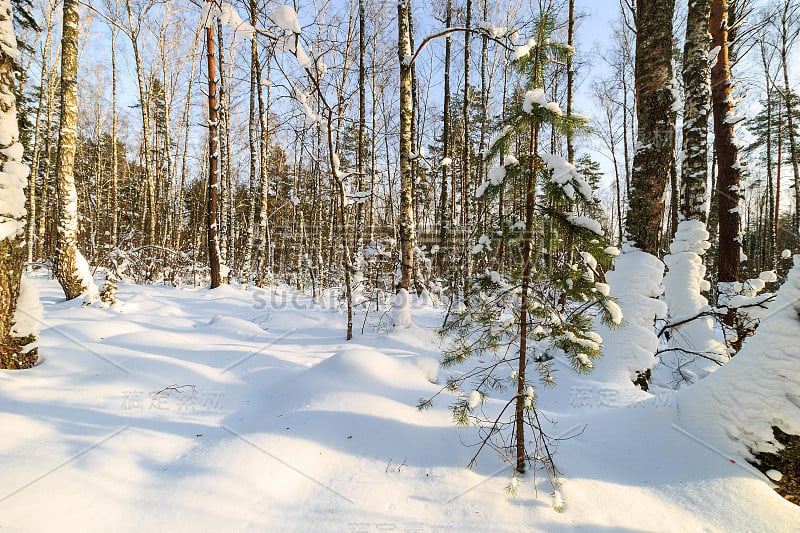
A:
(683, 286)
(289, 428)
(635, 283)
(736, 407)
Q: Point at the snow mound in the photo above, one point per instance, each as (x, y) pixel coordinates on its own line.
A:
(736, 407)
(635, 283)
(683, 284)
(359, 367)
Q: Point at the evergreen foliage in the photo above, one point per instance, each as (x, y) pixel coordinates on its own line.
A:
(562, 282)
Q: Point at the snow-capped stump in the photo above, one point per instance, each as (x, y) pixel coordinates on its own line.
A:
(693, 351)
(401, 310)
(635, 283)
(751, 406)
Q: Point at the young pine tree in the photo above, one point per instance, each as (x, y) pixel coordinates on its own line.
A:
(539, 306)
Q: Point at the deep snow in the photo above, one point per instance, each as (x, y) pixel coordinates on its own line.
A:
(287, 427)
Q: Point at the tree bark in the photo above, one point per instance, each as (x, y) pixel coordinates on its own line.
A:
(70, 267)
(654, 158)
(17, 349)
(570, 78)
(697, 108)
(726, 149)
(406, 218)
(143, 100)
(444, 209)
(213, 162)
(786, 42)
(252, 127)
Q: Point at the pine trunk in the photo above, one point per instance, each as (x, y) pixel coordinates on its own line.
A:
(213, 163)
(653, 159)
(726, 149)
(570, 78)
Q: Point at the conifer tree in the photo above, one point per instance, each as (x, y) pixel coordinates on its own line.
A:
(539, 309)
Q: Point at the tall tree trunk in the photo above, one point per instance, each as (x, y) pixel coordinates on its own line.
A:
(444, 208)
(697, 108)
(656, 117)
(263, 247)
(406, 218)
(70, 267)
(37, 134)
(254, 151)
(17, 347)
(144, 98)
(788, 36)
(43, 248)
(465, 149)
(362, 123)
(767, 250)
(224, 171)
(187, 111)
(726, 149)
(213, 162)
(570, 79)
(114, 154)
(627, 132)
(483, 143)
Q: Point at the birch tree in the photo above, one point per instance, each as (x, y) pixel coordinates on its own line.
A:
(70, 267)
(693, 349)
(406, 217)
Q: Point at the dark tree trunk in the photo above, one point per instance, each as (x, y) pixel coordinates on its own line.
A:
(726, 149)
(654, 159)
(213, 163)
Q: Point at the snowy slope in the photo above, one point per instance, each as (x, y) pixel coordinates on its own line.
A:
(289, 428)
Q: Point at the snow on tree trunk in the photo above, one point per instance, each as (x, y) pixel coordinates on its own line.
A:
(692, 349)
(71, 269)
(20, 312)
(213, 164)
(254, 150)
(752, 403)
(446, 164)
(406, 222)
(629, 350)
(726, 147)
(656, 116)
(696, 111)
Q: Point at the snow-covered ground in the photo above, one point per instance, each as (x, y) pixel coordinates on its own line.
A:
(275, 423)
